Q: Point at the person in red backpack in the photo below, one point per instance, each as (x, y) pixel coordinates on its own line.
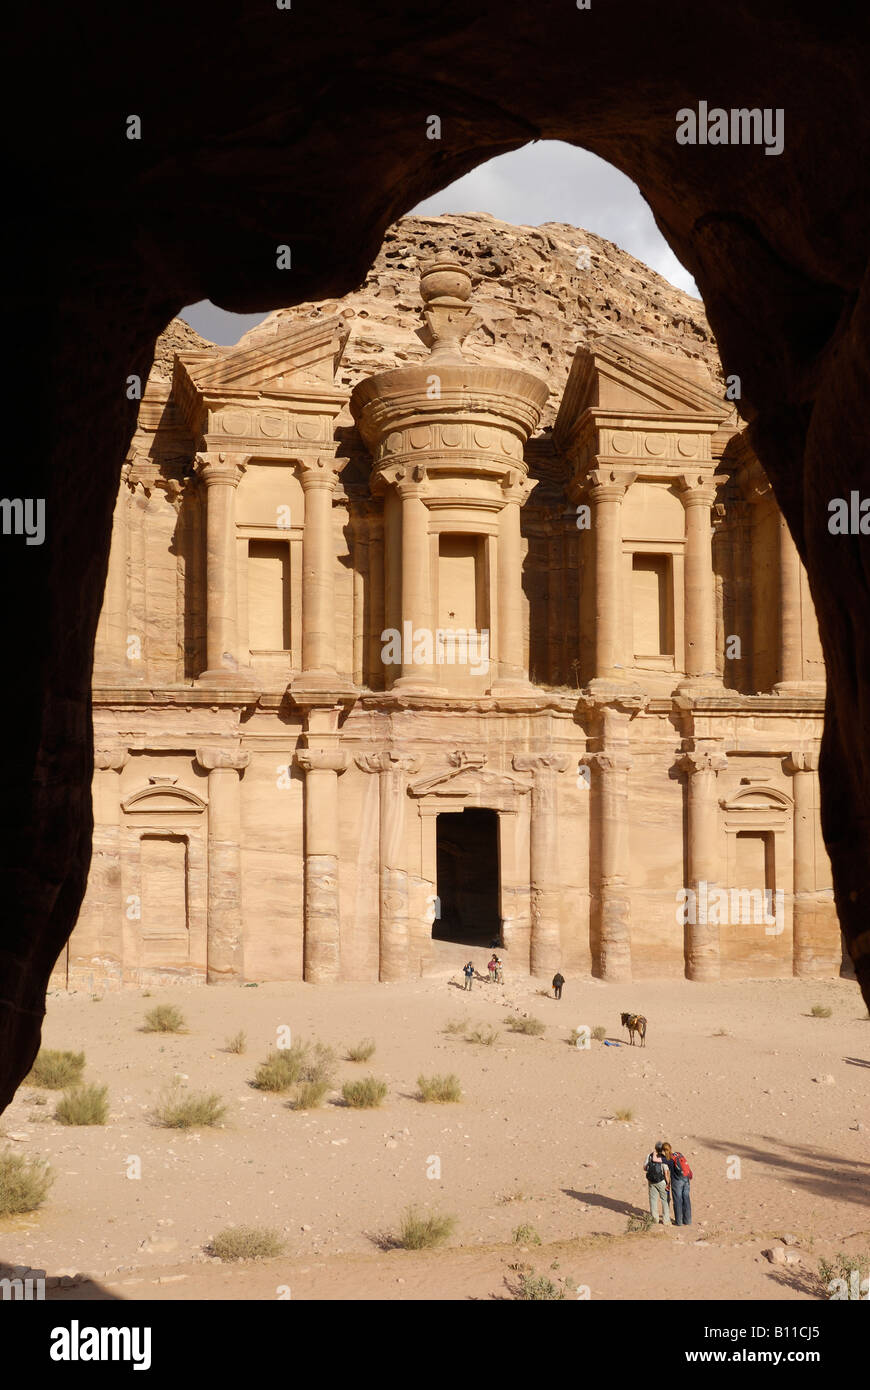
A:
(681, 1179)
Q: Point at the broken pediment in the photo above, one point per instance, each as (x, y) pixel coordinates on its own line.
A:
(300, 361)
(472, 784)
(613, 374)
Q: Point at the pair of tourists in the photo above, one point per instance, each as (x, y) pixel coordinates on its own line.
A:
(496, 973)
(468, 972)
(668, 1175)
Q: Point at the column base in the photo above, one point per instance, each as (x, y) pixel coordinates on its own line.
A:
(807, 688)
(322, 687)
(224, 678)
(511, 685)
(701, 685)
(416, 685)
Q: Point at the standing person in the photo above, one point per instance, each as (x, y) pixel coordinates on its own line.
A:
(468, 972)
(492, 967)
(657, 1177)
(681, 1178)
(558, 981)
(499, 971)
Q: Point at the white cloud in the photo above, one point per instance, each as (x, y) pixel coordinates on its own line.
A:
(547, 181)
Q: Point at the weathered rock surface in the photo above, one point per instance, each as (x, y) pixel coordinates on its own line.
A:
(535, 302)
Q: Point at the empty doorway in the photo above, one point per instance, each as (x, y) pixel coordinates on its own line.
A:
(468, 877)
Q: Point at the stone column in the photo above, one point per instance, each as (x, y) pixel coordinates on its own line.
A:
(98, 931)
(110, 649)
(221, 474)
(511, 664)
(790, 664)
(606, 489)
(704, 858)
(393, 769)
(416, 579)
(322, 941)
(804, 767)
(614, 902)
(224, 931)
(546, 943)
(318, 573)
(698, 492)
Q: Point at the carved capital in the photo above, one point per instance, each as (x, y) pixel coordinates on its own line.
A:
(108, 759)
(802, 761)
(220, 469)
(320, 471)
(702, 760)
(609, 484)
(388, 762)
(411, 480)
(212, 758)
(611, 760)
(698, 489)
(321, 760)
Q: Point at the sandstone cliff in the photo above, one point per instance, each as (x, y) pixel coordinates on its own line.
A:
(535, 302)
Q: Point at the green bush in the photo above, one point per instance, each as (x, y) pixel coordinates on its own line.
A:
(821, 1011)
(56, 1070)
(537, 1288)
(310, 1095)
(526, 1235)
(364, 1095)
(281, 1069)
(440, 1088)
(83, 1105)
(424, 1232)
(319, 1064)
(362, 1051)
(455, 1026)
(485, 1036)
(24, 1183)
(599, 1032)
(626, 1116)
(246, 1243)
(533, 1027)
(164, 1018)
(176, 1110)
(238, 1043)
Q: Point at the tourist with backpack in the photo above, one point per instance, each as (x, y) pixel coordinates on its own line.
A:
(468, 972)
(657, 1178)
(681, 1177)
(558, 982)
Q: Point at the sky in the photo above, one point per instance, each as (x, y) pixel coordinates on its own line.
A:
(547, 181)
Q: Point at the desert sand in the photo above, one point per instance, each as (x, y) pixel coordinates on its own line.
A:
(734, 1071)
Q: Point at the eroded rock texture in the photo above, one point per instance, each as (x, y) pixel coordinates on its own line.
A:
(307, 127)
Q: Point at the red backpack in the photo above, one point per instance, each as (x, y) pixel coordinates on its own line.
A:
(681, 1163)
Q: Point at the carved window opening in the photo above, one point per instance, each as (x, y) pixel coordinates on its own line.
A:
(652, 593)
(462, 597)
(165, 933)
(268, 596)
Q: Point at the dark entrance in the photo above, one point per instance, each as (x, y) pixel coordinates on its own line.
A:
(468, 877)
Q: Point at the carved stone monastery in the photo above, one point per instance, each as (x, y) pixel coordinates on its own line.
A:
(383, 666)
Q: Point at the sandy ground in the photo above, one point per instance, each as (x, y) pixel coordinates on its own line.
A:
(532, 1142)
